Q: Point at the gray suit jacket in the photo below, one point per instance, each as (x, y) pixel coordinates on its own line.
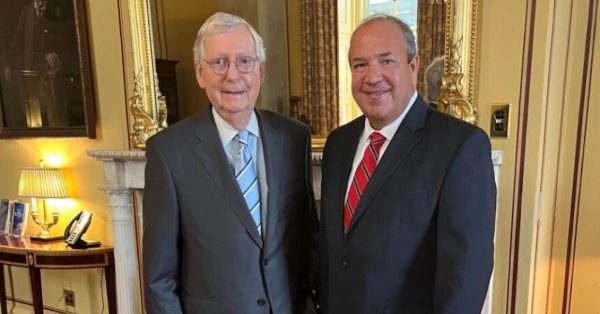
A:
(201, 250)
(421, 239)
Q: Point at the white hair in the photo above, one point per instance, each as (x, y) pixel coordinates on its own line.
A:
(220, 23)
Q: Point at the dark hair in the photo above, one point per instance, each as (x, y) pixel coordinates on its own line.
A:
(409, 36)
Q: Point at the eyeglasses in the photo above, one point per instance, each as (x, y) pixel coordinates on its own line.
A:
(243, 64)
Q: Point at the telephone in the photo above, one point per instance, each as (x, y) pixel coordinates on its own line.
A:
(75, 230)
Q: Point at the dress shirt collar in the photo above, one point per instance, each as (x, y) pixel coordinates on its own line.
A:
(389, 130)
(227, 132)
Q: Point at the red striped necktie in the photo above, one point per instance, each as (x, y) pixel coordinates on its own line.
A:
(362, 175)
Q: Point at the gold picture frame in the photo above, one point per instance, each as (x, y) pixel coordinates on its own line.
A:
(461, 46)
(147, 109)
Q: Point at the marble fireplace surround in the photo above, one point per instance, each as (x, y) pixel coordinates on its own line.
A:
(124, 182)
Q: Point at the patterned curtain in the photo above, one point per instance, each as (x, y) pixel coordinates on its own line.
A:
(430, 33)
(319, 103)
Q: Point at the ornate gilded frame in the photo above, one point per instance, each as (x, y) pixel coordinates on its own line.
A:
(147, 110)
(460, 59)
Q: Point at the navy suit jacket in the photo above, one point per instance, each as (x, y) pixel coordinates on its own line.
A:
(421, 240)
(201, 250)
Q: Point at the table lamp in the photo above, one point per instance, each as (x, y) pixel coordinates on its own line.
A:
(39, 182)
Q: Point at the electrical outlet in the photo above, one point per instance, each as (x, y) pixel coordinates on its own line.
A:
(499, 121)
(69, 296)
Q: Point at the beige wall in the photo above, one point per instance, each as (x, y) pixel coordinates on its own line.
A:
(566, 257)
(499, 82)
(586, 268)
(534, 58)
(83, 173)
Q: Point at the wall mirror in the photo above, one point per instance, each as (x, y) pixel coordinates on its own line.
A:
(45, 79)
(147, 107)
(447, 34)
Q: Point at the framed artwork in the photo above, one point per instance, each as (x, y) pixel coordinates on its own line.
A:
(46, 85)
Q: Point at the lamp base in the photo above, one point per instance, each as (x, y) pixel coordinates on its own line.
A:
(45, 238)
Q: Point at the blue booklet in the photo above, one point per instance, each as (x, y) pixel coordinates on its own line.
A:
(19, 219)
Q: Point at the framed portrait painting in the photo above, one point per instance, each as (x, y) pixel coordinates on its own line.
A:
(45, 78)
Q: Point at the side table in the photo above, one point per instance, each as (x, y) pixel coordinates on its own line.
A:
(22, 252)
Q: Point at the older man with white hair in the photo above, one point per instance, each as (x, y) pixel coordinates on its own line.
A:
(228, 203)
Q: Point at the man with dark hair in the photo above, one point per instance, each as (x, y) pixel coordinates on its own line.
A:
(408, 195)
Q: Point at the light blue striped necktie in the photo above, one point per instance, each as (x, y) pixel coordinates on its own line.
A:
(245, 174)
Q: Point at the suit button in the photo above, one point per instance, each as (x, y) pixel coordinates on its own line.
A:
(265, 262)
(344, 265)
(261, 302)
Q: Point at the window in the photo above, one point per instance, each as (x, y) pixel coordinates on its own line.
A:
(406, 10)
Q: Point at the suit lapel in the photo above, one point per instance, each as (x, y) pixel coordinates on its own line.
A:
(210, 153)
(404, 140)
(271, 139)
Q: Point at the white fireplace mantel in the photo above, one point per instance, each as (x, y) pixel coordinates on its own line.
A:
(124, 177)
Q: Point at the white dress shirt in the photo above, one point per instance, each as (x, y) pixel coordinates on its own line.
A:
(387, 131)
(226, 134)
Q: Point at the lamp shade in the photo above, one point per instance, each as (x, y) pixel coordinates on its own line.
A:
(42, 182)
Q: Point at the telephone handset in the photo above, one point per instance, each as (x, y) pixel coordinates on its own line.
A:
(75, 230)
